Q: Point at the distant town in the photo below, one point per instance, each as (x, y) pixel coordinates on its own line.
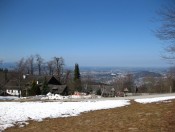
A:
(33, 76)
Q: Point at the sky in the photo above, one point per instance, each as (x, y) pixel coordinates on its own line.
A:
(87, 32)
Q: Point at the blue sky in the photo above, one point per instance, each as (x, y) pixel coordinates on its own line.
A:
(88, 32)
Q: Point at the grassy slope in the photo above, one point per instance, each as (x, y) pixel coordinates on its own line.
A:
(154, 117)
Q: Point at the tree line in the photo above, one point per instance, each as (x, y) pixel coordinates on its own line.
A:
(35, 65)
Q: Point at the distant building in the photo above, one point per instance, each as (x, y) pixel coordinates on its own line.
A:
(56, 87)
(13, 92)
(12, 88)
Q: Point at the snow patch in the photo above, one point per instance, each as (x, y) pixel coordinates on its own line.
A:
(16, 113)
(9, 98)
(151, 100)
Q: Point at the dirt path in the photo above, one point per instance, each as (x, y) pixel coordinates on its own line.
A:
(154, 117)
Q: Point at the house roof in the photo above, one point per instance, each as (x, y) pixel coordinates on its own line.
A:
(54, 81)
(12, 84)
(58, 89)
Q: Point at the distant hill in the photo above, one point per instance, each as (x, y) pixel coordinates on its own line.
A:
(146, 74)
(8, 65)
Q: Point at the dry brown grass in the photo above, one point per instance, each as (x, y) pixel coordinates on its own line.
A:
(154, 117)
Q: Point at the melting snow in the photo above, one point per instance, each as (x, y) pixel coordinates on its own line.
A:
(8, 98)
(151, 100)
(15, 113)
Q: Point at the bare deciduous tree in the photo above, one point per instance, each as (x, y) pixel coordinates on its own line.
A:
(39, 60)
(27, 66)
(166, 31)
(20, 68)
(30, 64)
(50, 66)
(21, 65)
(59, 62)
(119, 84)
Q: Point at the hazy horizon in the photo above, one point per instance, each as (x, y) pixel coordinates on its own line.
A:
(13, 64)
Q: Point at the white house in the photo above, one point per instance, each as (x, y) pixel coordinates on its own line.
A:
(14, 92)
(12, 88)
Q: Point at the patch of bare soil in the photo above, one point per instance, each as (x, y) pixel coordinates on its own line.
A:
(154, 117)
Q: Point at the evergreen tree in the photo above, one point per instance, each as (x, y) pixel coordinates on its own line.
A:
(77, 79)
(38, 91)
(35, 90)
(45, 88)
(76, 72)
(98, 92)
